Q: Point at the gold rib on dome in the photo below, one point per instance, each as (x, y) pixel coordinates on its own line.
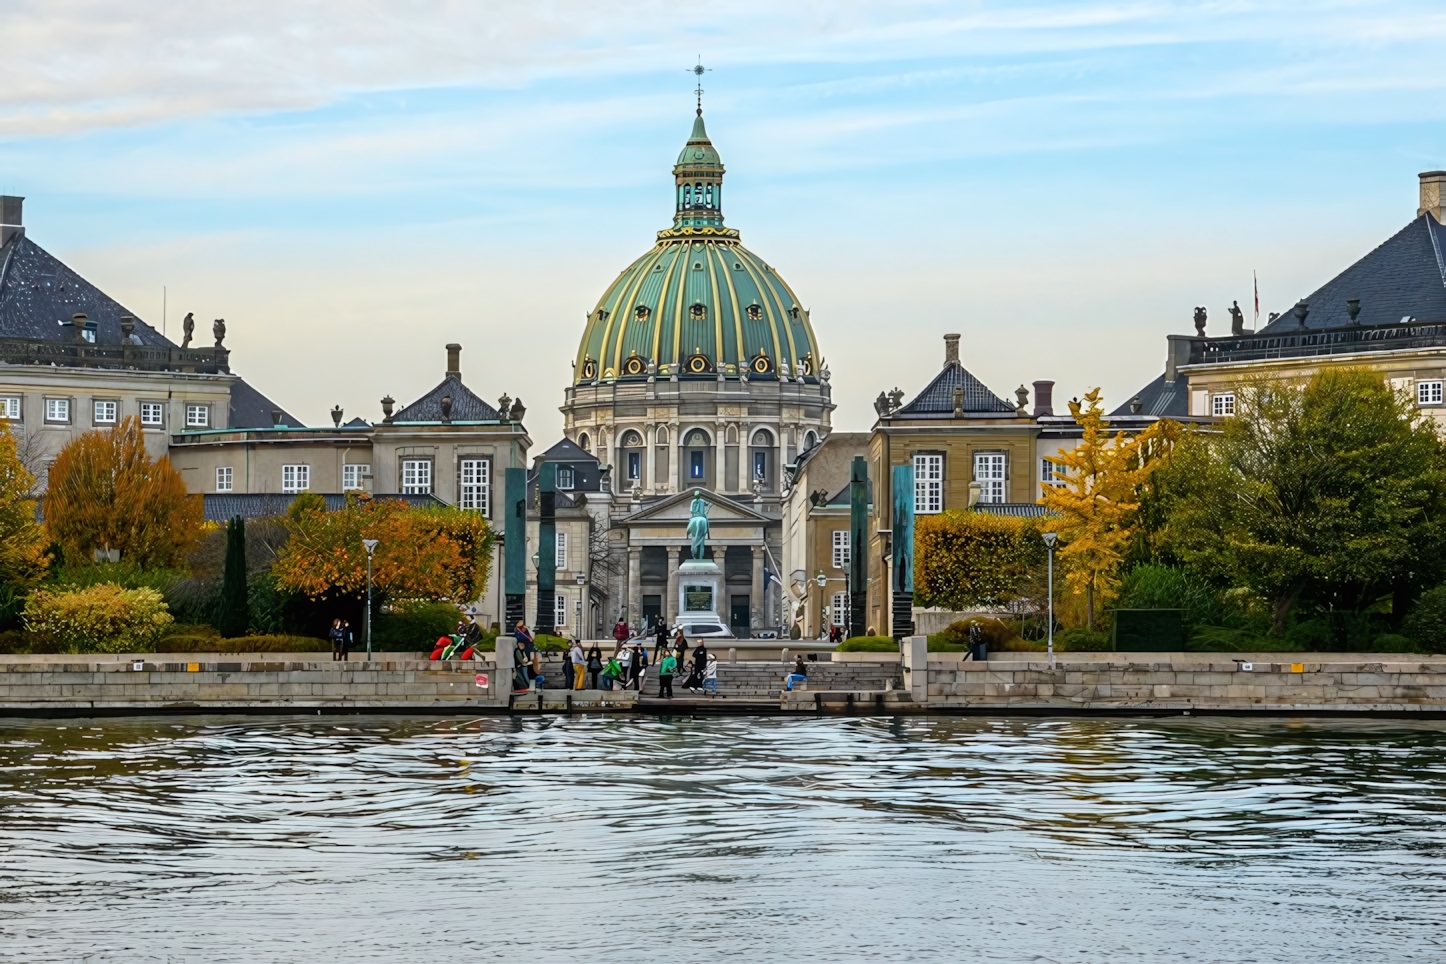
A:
(662, 278)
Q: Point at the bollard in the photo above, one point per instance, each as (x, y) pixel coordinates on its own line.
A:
(785, 654)
(732, 654)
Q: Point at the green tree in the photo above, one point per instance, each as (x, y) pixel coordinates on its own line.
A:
(233, 615)
(1331, 492)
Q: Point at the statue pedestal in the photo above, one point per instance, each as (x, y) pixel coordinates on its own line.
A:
(700, 588)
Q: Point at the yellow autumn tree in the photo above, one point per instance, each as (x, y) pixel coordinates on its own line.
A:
(23, 559)
(107, 492)
(1098, 504)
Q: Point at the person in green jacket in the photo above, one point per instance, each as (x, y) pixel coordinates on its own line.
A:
(666, 669)
(611, 672)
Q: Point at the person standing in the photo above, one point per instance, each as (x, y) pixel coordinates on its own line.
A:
(337, 637)
(521, 683)
(565, 678)
(620, 631)
(579, 664)
(660, 649)
(524, 636)
(666, 669)
(640, 665)
(699, 657)
(710, 676)
(680, 648)
(594, 665)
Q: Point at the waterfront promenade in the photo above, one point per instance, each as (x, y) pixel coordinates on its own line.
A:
(1078, 683)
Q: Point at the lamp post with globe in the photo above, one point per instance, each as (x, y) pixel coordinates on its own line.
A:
(371, 545)
(1050, 538)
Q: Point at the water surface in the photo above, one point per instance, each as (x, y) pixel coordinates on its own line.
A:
(617, 839)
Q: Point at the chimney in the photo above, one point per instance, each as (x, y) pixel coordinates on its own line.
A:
(454, 361)
(1043, 399)
(951, 350)
(11, 223)
(1432, 183)
(1177, 353)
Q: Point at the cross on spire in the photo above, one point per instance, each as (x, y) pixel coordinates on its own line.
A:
(699, 70)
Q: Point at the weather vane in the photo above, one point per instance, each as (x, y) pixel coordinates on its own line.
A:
(699, 70)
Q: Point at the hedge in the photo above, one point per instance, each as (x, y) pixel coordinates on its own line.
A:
(964, 560)
(869, 644)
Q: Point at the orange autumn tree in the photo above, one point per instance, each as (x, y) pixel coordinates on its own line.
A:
(1098, 503)
(422, 553)
(23, 559)
(106, 492)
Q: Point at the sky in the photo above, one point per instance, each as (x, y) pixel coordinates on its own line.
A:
(352, 185)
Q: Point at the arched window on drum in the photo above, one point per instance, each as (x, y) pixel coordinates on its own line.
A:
(630, 454)
(762, 460)
(698, 458)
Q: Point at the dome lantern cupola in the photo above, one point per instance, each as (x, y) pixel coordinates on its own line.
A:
(699, 178)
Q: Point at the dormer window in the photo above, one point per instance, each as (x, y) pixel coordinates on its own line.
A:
(642, 312)
(755, 312)
(793, 312)
(698, 312)
(564, 477)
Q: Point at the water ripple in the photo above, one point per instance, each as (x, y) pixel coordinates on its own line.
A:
(618, 839)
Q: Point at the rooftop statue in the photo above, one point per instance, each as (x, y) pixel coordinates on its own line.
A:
(1237, 319)
(188, 326)
(698, 523)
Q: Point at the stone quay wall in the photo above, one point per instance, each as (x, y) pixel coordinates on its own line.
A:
(1308, 683)
(36, 685)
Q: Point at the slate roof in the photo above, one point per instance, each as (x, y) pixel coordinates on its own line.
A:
(1160, 399)
(38, 290)
(466, 407)
(844, 497)
(220, 506)
(938, 397)
(1031, 510)
(564, 451)
(251, 409)
(1404, 276)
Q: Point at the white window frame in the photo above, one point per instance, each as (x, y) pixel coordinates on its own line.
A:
(99, 407)
(295, 478)
(224, 478)
(559, 609)
(841, 548)
(566, 477)
(559, 546)
(148, 406)
(1050, 473)
(416, 476)
(198, 415)
(635, 466)
(352, 474)
(1428, 393)
(928, 483)
(57, 411)
(839, 610)
(991, 471)
(1222, 404)
(10, 407)
(475, 489)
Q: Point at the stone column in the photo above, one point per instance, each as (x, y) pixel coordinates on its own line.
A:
(680, 471)
(670, 605)
(650, 459)
(718, 430)
(635, 585)
(756, 615)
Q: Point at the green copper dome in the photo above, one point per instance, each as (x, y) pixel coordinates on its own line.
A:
(699, 304)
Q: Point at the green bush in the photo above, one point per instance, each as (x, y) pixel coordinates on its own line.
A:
(14, 641)
(551, 644)
(1393, 643)
(869, 644)
(1425, 624)
(242, 644)
(1311, 634)
(102, 618)
(412, 626)
(954, 638)
(1083, 640)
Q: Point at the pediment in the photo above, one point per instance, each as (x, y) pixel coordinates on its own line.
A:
(676, 510)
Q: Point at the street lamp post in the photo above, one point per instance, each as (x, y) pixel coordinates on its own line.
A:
(371, 545)
(1050, 538)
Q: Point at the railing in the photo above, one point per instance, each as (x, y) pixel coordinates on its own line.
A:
(27, 351)
(1320, 341)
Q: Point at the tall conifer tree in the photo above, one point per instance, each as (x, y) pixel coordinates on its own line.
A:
(234, 615)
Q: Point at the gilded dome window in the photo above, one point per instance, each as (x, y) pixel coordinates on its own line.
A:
(755, 312)
(738, 266)
(793, 312)
(698, 311)
(657, 267)
(602, 314)
(697, 266)
(589, 368)
(761, 365)
(698, 364)
(642, 312)
(634, 365)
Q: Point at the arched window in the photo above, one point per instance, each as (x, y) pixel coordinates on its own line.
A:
(762, 439)
(632, 440)
(662, 435)
(699, 311)
(710, 196)
(697, 439)
(809, 441)
(583, 442)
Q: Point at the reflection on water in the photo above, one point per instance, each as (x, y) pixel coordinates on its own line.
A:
(618, 839)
